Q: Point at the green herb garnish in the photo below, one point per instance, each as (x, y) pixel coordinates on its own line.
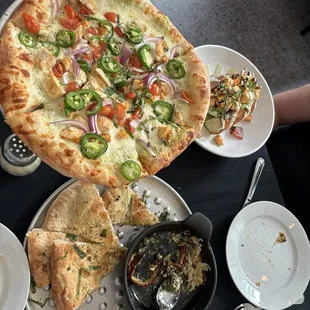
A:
(78, 251)
(63, 257)
(145, 197)
(71, 237)
(110, 91)
(94, 267)
(79, 281)
(103, 233)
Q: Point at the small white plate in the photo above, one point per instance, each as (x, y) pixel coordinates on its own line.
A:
(14, 271)
(269, 274)
(256, 132)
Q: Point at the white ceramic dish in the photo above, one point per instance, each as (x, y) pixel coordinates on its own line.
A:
(14, 271)
(256, 132)
(271, 275)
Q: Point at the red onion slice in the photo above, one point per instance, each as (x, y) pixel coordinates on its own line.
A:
(93, 123)
(74, 123)
(76, 67)
(147, 146)
(175, 52)
(77, 51)
(56, 7)
(152, 77)
(125, 53)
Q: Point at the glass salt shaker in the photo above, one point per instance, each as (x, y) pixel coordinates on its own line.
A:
(16, 158)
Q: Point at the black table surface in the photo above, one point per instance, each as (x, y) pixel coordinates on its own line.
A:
(209, 184)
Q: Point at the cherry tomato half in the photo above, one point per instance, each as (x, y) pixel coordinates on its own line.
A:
(105, 110)
(72, 86)
(137, 113)
(127, 125)
(110, 16)
(154, 89)
(31, 23)
(119, 32)
(58, 69)
(134, 61)
(70, 11)
(131, 95)
(71, 24)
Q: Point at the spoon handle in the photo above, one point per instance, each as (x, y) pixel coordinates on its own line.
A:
(260, 164)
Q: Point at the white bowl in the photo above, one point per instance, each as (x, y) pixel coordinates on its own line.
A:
(256, 132)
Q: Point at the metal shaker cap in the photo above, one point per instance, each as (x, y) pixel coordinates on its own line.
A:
(16, 152)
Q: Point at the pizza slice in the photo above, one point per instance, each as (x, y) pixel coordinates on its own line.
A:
(104, 92)
(39, 243)
(79, 210)
(78, 268)
(125, 207)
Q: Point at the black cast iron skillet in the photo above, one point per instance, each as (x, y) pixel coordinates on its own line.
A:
(199, 226)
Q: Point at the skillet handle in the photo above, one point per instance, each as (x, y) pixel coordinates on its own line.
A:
(200, 223)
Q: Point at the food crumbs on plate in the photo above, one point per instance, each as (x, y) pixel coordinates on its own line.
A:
(257, 283)
(219, 140)
(282, 238)
(249, 118)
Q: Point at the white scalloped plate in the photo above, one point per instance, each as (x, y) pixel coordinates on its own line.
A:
(14, 271)
(269, 274)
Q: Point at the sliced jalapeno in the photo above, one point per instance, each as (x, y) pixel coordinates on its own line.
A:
(131, 170)
(27, 39)
(163, 110)
(88, 96)
(120, 81)
(175, 68)
(93, 145)
(51, 47)
(113, 47)
(145, 56)
(65, 38)
(84, 65)
(109, 27)
(134, 35)
(109, 64)
(73, 101)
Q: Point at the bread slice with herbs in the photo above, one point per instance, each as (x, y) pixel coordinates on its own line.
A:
(40, 243)
(126, 207)
(78, 268)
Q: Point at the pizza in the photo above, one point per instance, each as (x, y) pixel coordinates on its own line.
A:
(103, 91)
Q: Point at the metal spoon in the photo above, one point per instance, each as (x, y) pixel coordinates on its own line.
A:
(166, 300)
(260, 164)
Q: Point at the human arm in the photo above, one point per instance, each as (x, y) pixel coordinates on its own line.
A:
(292, 106)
